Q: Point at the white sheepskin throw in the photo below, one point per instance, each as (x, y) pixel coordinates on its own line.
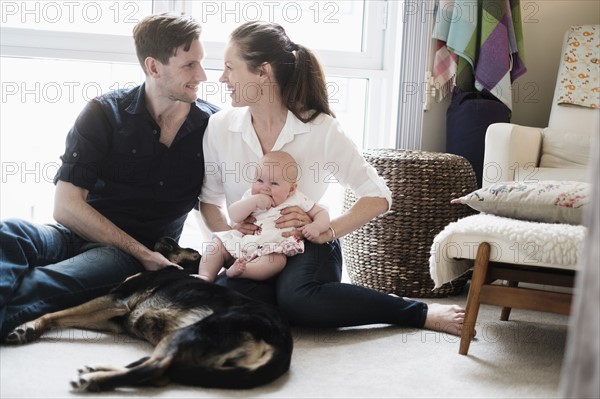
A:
(511, 241)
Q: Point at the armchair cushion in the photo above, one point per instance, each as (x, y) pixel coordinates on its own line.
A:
(562, 149)
(509, 148)
(541, 201)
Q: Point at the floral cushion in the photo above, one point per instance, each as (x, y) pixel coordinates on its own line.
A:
(547, 201)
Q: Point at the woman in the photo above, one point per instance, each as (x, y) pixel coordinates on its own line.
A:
(279, 100)
(262, 255)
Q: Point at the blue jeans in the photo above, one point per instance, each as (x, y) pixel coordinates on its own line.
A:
(309, 293)
(45, 268)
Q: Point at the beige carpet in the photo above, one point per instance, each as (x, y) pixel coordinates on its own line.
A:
(520, 358)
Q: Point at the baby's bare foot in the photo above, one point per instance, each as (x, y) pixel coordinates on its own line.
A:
(202, 277)
(236, 270)
(445, 318)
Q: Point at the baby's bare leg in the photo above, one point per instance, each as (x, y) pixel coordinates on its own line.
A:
(260, 268)
(213, 259)
(237, 269)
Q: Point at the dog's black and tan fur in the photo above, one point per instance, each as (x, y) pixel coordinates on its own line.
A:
(204, 334)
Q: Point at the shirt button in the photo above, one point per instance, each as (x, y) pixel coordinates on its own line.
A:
(75, 155)
(161, 183)
(155, 132)
(198, 155)
(134, 151)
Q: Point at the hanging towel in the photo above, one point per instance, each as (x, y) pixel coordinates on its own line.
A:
(444, 69)
(445, 62)
(488, 38)
(579, 80)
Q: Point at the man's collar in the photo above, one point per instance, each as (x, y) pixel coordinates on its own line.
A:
(138, 101)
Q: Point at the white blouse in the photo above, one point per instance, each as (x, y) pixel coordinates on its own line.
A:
(324, 153)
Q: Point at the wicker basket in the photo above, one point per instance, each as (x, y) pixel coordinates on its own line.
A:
(391, 253)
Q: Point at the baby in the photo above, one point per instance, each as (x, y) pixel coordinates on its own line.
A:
(263, 254)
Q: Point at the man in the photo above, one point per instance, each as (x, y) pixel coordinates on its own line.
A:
(133, 168)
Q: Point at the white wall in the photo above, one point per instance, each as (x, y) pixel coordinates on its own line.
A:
(544, 24)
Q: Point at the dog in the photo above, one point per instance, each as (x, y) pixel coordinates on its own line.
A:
(203, 334)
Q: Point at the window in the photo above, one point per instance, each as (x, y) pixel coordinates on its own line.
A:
(82, 16)
(55, 55)
(40, 100)
(346, 17)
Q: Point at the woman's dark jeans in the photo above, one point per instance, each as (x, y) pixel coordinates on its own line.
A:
(309, 293)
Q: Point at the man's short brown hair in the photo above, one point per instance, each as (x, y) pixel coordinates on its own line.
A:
(159, 35)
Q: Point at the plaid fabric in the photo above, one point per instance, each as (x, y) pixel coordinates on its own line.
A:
(444, 69)
(488, 38)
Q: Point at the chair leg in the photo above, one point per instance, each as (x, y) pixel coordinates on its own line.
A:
(477, 280)
(505, 314)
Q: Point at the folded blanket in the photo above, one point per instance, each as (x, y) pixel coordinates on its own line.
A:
(487, 37)
(511, 241)
(579, 82)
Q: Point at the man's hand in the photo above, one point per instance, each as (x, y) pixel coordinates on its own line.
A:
(72, 210)
(156, 261)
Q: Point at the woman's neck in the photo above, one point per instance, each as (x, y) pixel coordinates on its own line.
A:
(268, 121)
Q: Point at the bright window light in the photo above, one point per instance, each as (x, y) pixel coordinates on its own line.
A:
(345, 18)
(81, 16)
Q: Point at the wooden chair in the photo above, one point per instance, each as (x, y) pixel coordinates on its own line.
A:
(484, 291)
(498, 246)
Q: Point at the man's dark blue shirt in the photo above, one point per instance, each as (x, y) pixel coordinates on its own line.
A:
(142, 186)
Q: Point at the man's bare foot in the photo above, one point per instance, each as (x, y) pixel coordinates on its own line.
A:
(236, 270)
(445, 318)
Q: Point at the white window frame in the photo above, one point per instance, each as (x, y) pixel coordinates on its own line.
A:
(378, 63)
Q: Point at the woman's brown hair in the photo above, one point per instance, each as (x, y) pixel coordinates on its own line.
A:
(298, 72)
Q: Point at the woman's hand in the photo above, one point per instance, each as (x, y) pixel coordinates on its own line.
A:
(247, 226)
(318, 237)
(293, 216)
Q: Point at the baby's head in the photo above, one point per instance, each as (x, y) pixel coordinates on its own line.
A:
(276, 176)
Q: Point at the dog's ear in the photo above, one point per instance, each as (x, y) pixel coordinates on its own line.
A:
(166, 245)
(188, 258)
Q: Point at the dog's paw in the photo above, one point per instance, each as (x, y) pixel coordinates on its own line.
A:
(85, 370)
(22, 334)
(82, 383)
(93, 369)
(86, 381)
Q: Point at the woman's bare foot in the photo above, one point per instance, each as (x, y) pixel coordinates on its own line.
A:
(236, 270)
(445, 318)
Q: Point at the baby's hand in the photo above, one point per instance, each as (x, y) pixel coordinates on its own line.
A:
(263, 201)
(310, 231)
